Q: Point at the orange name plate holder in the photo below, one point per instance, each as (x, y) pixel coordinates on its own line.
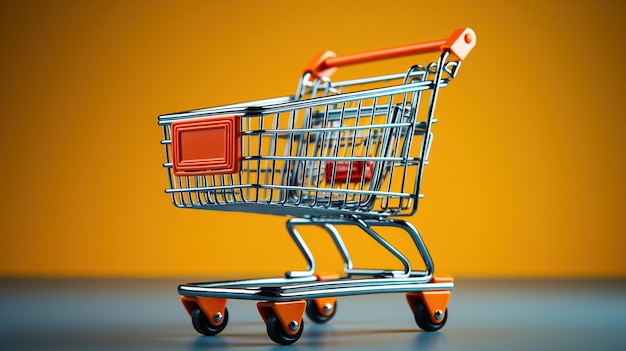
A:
(206, 146)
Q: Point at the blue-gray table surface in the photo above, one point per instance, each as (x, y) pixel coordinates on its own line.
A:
(146, 314)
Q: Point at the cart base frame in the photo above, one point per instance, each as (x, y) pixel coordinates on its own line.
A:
(283, 301)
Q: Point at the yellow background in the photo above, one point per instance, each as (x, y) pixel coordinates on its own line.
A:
(527, 167)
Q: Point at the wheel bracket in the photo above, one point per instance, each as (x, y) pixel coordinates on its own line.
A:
(212, 307)
(287, 313)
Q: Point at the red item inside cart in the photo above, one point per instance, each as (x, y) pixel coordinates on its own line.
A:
(340, 170)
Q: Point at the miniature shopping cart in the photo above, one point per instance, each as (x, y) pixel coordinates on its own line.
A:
(336, 154)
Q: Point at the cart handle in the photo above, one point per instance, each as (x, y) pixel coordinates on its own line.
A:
(460, 43)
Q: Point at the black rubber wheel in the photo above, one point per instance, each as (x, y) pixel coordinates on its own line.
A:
(202, 324)
(314, 314)
(278, 335)
(423, 319)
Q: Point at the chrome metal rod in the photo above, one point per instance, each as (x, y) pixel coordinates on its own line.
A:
(415, 236)
(345, 287)
(304, 249)
(341, 246)
(384, 243)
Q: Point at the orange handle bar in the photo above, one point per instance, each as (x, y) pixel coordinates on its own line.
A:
(460, 43)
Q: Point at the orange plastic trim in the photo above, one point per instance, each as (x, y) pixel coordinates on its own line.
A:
(460, 43)
(189, 303)
(285, 311)
(442, 278)
(323, 276)
(321, 302)
(434, 300)
(206, 146)
(317, 67)
(209, 305)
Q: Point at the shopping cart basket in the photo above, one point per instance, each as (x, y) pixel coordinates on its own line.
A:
(348, 153)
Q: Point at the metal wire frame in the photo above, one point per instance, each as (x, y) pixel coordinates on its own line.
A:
(322, 109)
